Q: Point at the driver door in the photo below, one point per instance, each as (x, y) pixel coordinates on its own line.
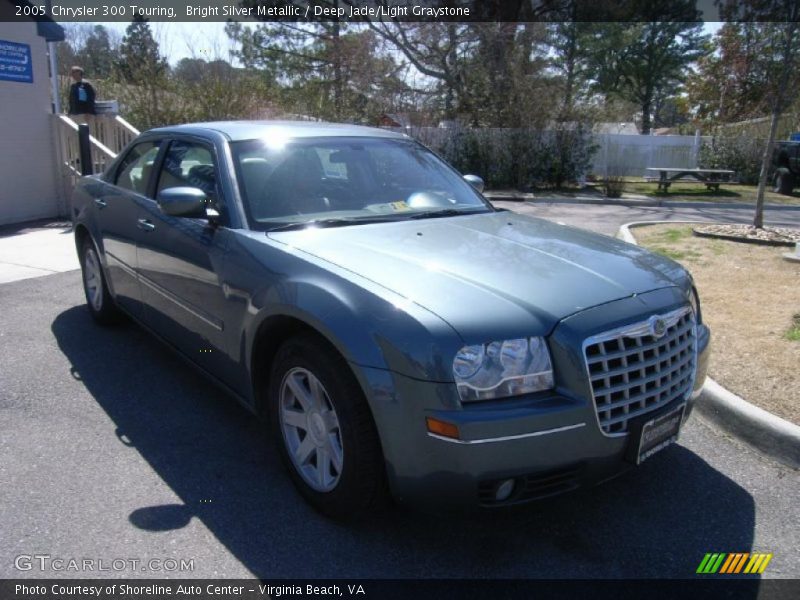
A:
(117, 210)
(180, 260)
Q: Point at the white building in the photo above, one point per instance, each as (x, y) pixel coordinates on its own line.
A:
(28, 175)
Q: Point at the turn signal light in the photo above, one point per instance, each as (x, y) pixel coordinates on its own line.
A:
(442, 428)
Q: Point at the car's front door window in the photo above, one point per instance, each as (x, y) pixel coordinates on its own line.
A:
(190, 164)
(135, 169)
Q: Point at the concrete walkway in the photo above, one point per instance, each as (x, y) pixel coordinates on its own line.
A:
(37, 253)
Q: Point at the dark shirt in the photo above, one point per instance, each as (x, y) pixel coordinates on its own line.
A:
(81, 98)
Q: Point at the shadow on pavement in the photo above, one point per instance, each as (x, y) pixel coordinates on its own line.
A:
(657, 521)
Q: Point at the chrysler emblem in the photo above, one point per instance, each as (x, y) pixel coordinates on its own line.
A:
(658, 327)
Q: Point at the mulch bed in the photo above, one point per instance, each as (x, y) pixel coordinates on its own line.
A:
(767, 236)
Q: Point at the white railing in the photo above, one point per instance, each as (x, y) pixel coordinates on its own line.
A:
(109, 134)
(113, 131)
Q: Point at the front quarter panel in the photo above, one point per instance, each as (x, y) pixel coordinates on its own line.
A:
(370, 325)
(83, 211)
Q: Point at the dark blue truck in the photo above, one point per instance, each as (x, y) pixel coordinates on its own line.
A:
(786, 160)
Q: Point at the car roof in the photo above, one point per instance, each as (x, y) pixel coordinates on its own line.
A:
(251, 130)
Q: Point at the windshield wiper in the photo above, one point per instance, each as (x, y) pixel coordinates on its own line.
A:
(330, 222)
(444, 212)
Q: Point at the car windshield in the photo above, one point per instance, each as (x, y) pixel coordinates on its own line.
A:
(347, 180)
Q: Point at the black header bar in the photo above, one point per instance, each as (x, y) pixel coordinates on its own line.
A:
(706, 587)
(401, 10)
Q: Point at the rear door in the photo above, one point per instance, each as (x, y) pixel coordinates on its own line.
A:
(181, 259)
(117, 213)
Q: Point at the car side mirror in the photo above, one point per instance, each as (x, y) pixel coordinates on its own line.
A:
(475, 182)
(183, 202)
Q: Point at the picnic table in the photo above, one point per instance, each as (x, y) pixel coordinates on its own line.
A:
(711, 177)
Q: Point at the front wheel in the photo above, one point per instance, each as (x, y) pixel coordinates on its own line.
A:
(324, 429)
(784, 182)
(98, 299)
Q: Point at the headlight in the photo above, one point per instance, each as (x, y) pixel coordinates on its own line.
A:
(694, 300)
(502, 369)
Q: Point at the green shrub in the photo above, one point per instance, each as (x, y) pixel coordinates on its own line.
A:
(741, 154)
(613, 186)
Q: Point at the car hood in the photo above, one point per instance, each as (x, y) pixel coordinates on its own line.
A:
(491, 274)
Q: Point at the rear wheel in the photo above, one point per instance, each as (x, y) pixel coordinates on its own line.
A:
(783, 182)
(98, 299)
(324, 429)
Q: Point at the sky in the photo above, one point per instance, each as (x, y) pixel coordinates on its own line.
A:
(208, 40)
(186, 40)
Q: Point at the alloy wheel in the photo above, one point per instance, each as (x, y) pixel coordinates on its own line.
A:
(93, 279)
(311, 429)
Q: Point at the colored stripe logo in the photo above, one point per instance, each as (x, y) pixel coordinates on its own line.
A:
(734, 563)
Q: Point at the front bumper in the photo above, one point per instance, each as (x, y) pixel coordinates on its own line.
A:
(548, 443)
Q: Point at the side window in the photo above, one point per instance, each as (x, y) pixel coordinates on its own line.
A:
(134, 170)
(190, 164)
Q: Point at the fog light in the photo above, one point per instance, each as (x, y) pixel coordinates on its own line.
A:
(504, 490)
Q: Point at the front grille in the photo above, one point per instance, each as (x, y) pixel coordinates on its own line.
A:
(633, 372)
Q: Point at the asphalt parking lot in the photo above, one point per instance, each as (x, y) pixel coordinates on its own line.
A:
(110, 447)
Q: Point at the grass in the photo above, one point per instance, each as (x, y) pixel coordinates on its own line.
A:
(688, 190)
(676, 254)
(793, 333)
(748, 296)
(695, 190)
(665, 242)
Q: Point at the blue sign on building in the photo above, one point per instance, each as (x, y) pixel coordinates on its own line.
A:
(15, 62)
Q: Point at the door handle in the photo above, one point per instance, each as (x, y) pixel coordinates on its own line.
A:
(146, 225)
(100, 202)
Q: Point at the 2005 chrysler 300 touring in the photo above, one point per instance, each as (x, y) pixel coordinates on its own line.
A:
(396, 331)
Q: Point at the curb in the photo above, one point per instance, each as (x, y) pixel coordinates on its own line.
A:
(758, 428)
(632, 203)
(772, 435)
(740, 240)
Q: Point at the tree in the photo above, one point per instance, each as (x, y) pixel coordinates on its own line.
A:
(140, 58)
(327, 69)
(778, 55)
(670, 110)
(438, 51)
(505, 76)
(146, 93)
(98, 53)
(217, 90)
(730, 84)
(68, 53)
(190, 70)
(571, 45)
(636, 60)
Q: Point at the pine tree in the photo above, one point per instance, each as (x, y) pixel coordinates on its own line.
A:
(97, 56)
(638, 60)
(140, 58)
(145, 95)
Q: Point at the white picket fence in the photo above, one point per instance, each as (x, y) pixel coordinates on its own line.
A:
(617, 154)
(631, 155)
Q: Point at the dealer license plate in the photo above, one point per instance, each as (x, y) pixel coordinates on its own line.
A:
(658, 433)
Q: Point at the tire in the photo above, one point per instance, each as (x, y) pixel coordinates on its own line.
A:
(783, 182)
(329, 444)
(98, 299)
